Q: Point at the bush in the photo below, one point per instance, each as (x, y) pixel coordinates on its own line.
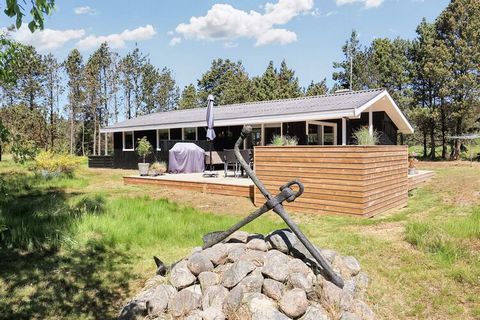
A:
(158, 167)
(364, 138)
(279, 140)
(50, 164)
(23, 150)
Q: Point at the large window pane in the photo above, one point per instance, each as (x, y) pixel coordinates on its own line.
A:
(163, 134)
(189, 134)
(128, 140)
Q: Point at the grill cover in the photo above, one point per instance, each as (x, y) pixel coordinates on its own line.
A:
(186, 158)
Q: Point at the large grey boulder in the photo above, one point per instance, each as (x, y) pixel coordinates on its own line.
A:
(183, 302)
(180, 276)
(301, 281)
(235, 251)
(294, 303)
(212, 314)
(315, 312)
(255, 256)
(276, 266)
(273, 289)
(198, 263)
(257, 244)
(208, 279)
(236, 273)
(217, 254)
(238, 236)
(282, 240)
(158, 301)
(214, 296)
(261, 307)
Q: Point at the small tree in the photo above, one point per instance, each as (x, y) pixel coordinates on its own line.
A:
(144, 148)
(4, 137)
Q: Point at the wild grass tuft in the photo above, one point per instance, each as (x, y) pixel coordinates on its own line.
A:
(364, 138)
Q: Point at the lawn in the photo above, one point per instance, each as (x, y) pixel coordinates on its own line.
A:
(77, 248)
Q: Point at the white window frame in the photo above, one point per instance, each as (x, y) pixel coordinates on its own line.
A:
(133, 141)
(158, 131)
(196, 132)
(324, 124)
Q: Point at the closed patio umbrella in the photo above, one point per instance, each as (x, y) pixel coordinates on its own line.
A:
(210, 131)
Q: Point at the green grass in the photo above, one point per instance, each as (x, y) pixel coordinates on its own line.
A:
(76, 248)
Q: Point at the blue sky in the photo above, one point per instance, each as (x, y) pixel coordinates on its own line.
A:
(308, 34)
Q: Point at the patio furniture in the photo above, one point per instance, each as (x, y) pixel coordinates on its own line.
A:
(229, 160)
(186, 158)
(217, 157)
(247, 156)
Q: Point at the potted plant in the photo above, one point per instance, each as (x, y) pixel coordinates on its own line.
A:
(144, 148)
(158, 168)
(412, 163)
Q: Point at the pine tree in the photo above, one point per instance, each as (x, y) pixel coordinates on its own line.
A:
(227, 81)
(168, 93)
(189, 98)
(317, 88)
(53, 90)
(74, 68)
(265, 87)
(288, 86)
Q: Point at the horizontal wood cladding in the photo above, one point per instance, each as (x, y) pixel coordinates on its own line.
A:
(204, 187)
(355, 180)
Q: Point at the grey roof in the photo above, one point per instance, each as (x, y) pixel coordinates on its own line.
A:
(242, 113)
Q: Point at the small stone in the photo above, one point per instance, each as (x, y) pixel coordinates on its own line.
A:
(255, 256)
(333, 297)
(361, 308)
(361, 284)
(213, 314)
(252, 283)
(273, 289)
(338, 265)
(180, 276)
(262, 308)
(352, 264)
(350, 316)
(238, 236)
(198, 263)
(195, 289)
(294, 303)
(158, 301)
(217, 254)
(301, 281)
(257, 244)
(194, 315)
(276, 266)
(235, 251)
(328, 254)
(298, 266)
(282, 240)
(214, 296)
(233, 300)
(315, 312)
(236, 273)
(207, 279)
(184, 302)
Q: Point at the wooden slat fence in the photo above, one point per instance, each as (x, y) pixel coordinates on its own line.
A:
(355, 180)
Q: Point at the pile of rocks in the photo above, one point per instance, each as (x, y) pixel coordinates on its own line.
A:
(253, 277)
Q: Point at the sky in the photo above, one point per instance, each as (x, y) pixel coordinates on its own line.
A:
(186, 35)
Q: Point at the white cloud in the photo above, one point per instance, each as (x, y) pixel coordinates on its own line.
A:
(85, 10)
(366, 3)
(225, 23)
(117, 40)
(47, 39)
(175, 41)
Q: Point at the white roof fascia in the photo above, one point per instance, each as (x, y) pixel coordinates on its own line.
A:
(240, 121)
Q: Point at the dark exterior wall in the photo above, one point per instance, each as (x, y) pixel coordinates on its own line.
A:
(296, 129)
(381, 123)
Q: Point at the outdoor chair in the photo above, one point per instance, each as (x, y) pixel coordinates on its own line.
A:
(229, 160)
(247, 156)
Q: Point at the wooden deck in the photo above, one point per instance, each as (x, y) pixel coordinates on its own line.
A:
(418, 179)
(238, 187)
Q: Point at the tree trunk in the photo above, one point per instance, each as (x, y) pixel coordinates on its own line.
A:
(52, 122)
(83, 138)
(71, 129)
(0, 151)
(432, 141)
(444, 129)
(425, 144)
(456, 152)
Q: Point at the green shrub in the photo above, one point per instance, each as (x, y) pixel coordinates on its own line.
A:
(144, 148)
(279, 140)
(50, 164)
(364, 138)
(22, 150)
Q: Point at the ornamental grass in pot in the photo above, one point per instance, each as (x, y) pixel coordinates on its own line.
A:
(144, 148)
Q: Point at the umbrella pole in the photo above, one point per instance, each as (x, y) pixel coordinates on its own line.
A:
(211, 162)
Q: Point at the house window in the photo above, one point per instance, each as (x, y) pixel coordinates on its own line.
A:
(162, 135)
(128, 144)
(189, 133)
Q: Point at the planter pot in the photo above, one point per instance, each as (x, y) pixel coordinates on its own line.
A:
(143, 168)
(412, 171)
